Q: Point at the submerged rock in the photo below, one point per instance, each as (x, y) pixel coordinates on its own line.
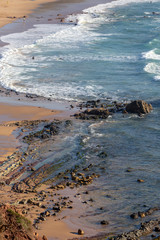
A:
(139, 107)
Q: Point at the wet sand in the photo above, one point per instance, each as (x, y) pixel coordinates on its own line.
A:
(8, 142)
(9, 113)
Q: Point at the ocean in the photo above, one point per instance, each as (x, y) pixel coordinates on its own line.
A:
(109, 51)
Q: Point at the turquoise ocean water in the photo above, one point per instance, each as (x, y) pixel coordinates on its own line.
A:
(110, 51)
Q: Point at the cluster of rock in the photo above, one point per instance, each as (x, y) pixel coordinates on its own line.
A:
(77, 179)
(29, 124)
(100, 110)
(61, 204)
(51, 129)
(143, 214)
(93, 114)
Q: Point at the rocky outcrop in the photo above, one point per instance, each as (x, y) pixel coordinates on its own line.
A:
(102, 109)
(143, 214)
(144, 229)
(139, 107)
(93, 114)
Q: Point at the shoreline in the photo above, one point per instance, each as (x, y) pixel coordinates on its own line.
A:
(51, 12)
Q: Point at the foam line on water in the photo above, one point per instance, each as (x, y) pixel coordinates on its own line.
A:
(151, 55)
(101, 8)
(153, 68)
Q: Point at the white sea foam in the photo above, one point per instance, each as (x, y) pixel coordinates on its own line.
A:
(17, 66)
(98, 14)
(151, 55)
(86, 139)
(153, 68)
(101, 8)
(29, 37)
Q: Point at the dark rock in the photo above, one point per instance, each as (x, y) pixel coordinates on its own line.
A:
(157, 238)
(93, 114)
(134, 215)
(139, 107)
(43, 206)
(129, 170)
(42, 218)
(44, 237)
(99, 112)
(151, 210)
(23, 201)
(29, 201)
(57, 208)
(157, 229)
(104, 222)
(68, 123)
(102, 154)
(153, 235)
(24, 211)
(86, 192)
(80, 232)
(140, 180)
(141, 214)
(47, 213)
(91, 200)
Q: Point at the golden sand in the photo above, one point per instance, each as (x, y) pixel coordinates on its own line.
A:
(10, 10)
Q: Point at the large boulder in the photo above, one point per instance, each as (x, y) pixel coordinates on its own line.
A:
(139, 107)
